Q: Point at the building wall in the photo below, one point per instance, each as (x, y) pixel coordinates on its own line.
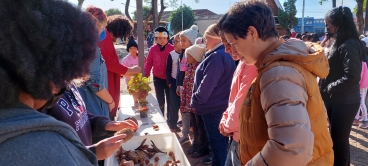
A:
(203, 24)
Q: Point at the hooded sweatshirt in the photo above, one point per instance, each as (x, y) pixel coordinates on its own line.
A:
(283, 120)
(28, 137)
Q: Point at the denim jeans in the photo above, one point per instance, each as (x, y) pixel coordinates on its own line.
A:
(200, 142)
(217, 141)
(341, 117)
(162, 90)
(233, 154)
(173, 115)
(185, 117)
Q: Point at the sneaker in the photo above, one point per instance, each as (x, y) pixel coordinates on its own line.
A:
(364, 125)
(183, 140)
(207, 160)
(180, 123)
(356, 122)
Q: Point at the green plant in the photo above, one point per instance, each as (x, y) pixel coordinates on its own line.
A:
(142, 102)
(139, 83)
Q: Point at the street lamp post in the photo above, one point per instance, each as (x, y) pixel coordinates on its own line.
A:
(303, 16)
(182, 17)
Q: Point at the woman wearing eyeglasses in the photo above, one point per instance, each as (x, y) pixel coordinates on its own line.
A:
(340, 90)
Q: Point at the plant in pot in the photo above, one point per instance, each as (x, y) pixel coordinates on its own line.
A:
(138, 87)
(143, 109)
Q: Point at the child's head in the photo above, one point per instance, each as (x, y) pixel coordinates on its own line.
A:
(250, 27)
(176, 42)
(188, 37)
(195, 53)
(132, 46)
(161, 36)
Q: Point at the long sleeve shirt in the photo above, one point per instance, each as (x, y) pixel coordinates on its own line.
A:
(242, 80)
(156, 59)
(172, 66)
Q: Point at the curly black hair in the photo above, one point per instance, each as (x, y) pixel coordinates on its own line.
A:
(44, 44)
(248, 13)
(119, 26)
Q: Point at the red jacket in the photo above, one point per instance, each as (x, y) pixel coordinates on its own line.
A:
(157, 59)
(114, 69)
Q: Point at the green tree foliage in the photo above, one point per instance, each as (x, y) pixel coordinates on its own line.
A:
(287, 17)
(114, 11)
(146, 11)
(175, 18)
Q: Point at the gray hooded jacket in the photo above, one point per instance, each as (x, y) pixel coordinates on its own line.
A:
(28, 137)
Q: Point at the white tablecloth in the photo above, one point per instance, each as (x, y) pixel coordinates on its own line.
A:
(145, 124)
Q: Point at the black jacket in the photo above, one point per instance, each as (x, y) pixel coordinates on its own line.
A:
(342, 83)
(181, 74)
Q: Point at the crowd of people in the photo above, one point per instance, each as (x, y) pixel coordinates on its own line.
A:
(249, 96)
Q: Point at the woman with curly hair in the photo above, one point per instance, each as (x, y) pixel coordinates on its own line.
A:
(43, 50)
(117, 27)
(341, 90)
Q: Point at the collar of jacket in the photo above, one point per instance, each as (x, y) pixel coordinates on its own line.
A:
(214, 49)
(267, 51)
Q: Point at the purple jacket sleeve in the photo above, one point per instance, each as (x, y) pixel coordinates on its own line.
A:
(98, 124)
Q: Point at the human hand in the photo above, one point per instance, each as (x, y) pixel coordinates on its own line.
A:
(169, 85)
(106, 147)
(119, 125)
(178, 90)
(133, 70)
(222, 131)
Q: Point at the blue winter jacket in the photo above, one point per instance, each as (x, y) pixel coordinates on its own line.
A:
(212, 82)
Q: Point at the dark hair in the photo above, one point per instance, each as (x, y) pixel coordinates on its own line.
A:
(97, 12)
(48, 44)
(364, 51)
(298, 36)
(252, 13)
(119, 26)
(342, 17)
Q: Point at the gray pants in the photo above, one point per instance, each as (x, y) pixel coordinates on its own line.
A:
(185, 118)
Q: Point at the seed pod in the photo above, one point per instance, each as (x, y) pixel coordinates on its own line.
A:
(129, 133)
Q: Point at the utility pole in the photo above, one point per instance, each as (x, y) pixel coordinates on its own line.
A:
(140, 34)
(182, 17)
(303, 16)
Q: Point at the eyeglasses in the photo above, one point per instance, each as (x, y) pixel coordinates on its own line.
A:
(176, 41)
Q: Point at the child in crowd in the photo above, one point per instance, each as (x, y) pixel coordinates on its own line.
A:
(194, 55)
(362, 120)
(156, 59)
(187, 38)
(171, 71)
(131, 59)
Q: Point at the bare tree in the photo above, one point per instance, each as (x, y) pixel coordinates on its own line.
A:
(127, 10)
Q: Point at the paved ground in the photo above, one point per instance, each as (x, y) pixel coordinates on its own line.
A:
(358, 137)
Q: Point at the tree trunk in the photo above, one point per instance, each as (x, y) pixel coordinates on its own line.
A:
(366, 17)
(163, 7)
(155, 16)
(80, 3)
(127, 10)
(333, 3)
(359, 15)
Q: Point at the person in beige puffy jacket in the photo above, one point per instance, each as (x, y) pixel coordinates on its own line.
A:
(282, 121)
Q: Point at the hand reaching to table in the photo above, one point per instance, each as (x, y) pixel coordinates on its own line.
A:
(119, 125)
(106, 147)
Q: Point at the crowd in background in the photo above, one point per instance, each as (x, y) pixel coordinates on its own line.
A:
(249, 96)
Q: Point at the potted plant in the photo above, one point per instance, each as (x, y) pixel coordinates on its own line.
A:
(138, 87)
(143, 109)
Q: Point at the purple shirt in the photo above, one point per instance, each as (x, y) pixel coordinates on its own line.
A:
(72, 110)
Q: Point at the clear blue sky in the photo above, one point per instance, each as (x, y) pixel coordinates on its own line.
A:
(312, 7)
